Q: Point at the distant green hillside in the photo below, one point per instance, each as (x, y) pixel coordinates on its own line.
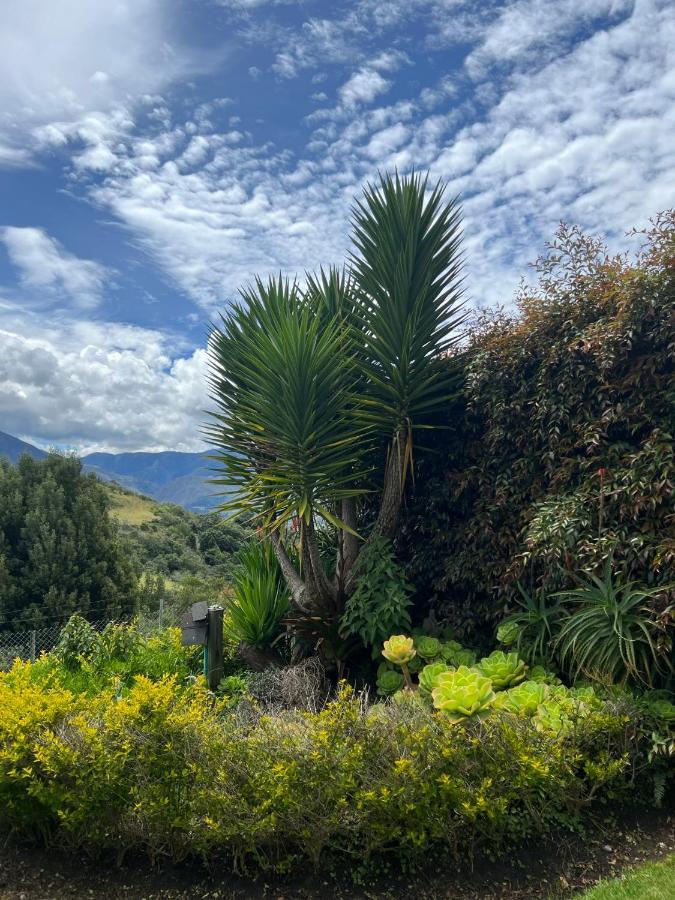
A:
(168, 540)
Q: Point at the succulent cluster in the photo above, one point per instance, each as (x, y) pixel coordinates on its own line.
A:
(463, 693)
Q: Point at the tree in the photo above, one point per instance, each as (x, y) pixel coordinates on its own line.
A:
(59, 549)
(321, 390)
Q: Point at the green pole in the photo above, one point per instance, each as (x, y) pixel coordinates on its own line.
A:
(206, 662)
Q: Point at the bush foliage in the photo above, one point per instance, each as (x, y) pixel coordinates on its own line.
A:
(562, 449)
(59, 548)
(171, 770)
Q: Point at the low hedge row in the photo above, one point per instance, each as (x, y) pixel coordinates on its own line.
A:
(168, 770)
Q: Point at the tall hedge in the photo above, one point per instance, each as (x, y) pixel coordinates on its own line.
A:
(562, 448)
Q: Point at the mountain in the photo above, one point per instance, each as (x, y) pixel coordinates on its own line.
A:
(13, 448)
(168, 476)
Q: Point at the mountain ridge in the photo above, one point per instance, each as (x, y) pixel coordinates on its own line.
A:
(168, 476)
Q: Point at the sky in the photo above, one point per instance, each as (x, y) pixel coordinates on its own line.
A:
(155, 155)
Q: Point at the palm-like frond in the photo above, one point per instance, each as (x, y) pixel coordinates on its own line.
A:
(407, 267)
(282, 379)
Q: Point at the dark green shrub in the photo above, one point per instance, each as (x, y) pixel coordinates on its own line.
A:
(563, 445)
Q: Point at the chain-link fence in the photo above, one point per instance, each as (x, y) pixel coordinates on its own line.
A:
(30, 644)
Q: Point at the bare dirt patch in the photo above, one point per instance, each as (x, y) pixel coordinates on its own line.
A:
(558, 867)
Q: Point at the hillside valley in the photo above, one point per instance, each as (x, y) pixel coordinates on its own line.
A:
(167, 476)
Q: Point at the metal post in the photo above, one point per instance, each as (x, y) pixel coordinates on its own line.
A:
(161, 611)
(33, 636)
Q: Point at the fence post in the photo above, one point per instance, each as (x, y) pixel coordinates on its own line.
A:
(33, 636)
(161, 611)
(214, 648)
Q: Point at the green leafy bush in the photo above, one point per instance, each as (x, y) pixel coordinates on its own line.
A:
(78, 642)
(564, 444)
(462, 694)
(381, 600)
(503, 669)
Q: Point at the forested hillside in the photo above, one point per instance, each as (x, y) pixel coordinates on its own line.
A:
(71, 543)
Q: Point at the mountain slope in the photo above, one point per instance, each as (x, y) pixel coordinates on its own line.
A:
(12, 448)
(168, 476)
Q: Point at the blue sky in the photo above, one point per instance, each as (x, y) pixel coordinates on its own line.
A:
(155, 154)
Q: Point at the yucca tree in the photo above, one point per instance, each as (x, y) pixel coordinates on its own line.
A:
(320, 391)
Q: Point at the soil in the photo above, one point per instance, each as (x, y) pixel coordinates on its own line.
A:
(556, 868)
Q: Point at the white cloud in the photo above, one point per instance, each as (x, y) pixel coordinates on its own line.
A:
(61, 61)
(101, 386)
(363, 87)
(47, 269)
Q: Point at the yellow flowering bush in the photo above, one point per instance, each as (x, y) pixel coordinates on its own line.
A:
(170, 770)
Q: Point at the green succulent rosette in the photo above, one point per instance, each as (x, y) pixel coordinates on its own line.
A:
(390, 682)
(429, 676)
(524, 699)
(463, 694)
(503, 669)
(416, 664)
(399, 649)
(552, 717)
(508, 633)
(454, 654)
(663, 710)
(540, 674)
(429, 648)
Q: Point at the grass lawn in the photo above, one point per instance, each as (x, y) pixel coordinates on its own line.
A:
(653, 881)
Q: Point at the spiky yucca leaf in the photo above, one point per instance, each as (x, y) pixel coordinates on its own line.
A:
(282, 379)
(407, 268)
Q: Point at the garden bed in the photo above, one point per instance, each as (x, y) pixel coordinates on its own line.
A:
(560, 866)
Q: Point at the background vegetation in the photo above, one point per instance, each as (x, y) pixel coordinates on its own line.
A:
(560, 451)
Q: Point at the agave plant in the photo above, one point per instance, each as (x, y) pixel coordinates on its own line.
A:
(462, 694)
(260, 598)
(524, 699)
(532, 628)
(428, 677)
(610, 635)
(503, 669)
